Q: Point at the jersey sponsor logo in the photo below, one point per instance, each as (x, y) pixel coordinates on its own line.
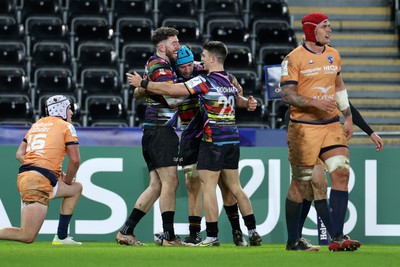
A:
(195, 81)
(284, 68)
(311, 72)
(330, 69)
(72, 130)
(322, 89)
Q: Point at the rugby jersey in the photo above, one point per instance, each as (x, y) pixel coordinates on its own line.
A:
(315, 75)
(158, 113)
(217, 95)
(47, 140)
(191, 120)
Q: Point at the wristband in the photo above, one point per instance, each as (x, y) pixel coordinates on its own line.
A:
(144, 83)
(342, 99)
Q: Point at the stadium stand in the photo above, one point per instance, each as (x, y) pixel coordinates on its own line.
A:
(47, 46)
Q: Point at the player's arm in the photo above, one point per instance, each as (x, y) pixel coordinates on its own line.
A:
(21, 152)
(159, 88)
(363, 125)
(292, 97)
(342, 101)
(74, 160)
(249, 103)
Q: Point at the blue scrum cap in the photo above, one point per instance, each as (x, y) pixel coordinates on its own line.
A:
(185, 55)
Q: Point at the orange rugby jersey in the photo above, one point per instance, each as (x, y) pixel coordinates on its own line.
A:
(315, 76)
(46, 143)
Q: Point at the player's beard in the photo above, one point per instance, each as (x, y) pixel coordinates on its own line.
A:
(171, 55)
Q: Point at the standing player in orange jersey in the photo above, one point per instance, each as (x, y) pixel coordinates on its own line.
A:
(40, 178)
(311, 83)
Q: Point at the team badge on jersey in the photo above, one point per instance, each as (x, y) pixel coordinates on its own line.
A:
(72, 130)
(311, 62)
(330, 59)
(284, 68)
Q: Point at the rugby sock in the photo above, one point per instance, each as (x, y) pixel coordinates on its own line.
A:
(233, 215)
(63, 222)
(168, 224)
(305, 208)
(250, 221)
(212, 229)
(194, 225)
(132, 221)
(293, 213)
(338, 204)
(322, 208)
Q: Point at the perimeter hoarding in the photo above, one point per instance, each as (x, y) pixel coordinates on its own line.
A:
(114, 176)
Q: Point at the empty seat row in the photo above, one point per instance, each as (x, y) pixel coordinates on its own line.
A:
(157, 10)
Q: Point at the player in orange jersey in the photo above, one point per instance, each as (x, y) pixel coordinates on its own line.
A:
(40, 178)
(312, 85)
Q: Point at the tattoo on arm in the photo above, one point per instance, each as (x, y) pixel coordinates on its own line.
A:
(346, 112)
(292, 97)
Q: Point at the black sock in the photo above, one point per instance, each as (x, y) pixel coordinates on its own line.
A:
(305, 208)
(63, 222)
(168, 224)
(233, 215)
(194, 225)
(212, 229)
(293, 213)
(132, 221)
(323, 211)
(338, 204)
(250, 221)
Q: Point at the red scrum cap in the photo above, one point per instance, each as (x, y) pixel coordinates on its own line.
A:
(310, 22)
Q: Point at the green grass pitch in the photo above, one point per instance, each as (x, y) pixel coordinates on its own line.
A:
(98, 254)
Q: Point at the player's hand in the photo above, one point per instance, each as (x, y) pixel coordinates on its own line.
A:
(138, 92)
(134, 79)
(251, 103)
(378, 141)
(348, 128)
(326, 105)
(62, 177)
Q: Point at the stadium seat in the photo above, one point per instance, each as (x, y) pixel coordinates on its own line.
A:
(249, 81)
(239, 57)
(11, 29)
(108, 111)
(135, 56)
(266, 9)
(131, 9)
(175, 9)
(8, 8)
(133, 30)
(52, 81)
(40, 8)
(217, 9)
(273, 33)
(50, 54)
(89, 29)
(227, 30)
(252, 119)
(189, 29)
(99, 82)
(85, 8)
(13, 81)
(45, 28)
(95, 55)
(16, 110)
(13, 54)
(269, 55)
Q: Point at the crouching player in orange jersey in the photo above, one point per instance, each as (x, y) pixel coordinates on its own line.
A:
(40, 178)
